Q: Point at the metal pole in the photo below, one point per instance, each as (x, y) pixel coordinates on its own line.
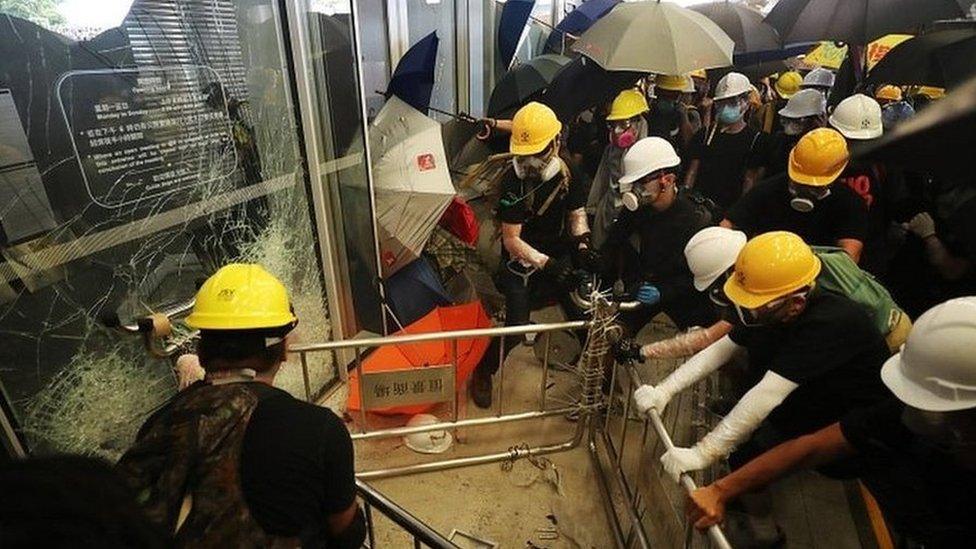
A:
(362, 395)
(457, 397)
(501, 377)
(308, 385)
(545, 373)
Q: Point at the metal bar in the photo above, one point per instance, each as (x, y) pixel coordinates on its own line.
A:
(472, 422)
(440, 336)
(457, 397)
(402, 517)
(416, 543)
(626, 418)
(604, 485)
(362, 395)
(370, 532)
(501, 377)
(308, 384)
(621, 480)
(545, 372)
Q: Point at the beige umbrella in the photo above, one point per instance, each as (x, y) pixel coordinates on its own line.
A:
(654, 36)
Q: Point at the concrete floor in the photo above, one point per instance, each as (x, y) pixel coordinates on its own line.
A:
(512, 508)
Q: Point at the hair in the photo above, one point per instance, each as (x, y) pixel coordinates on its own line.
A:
(224, 349)
(70, 501)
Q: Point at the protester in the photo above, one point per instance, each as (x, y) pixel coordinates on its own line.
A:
(544, 232)
(819, 79)
(700, 101)
(664, 221)
(232, 460)
(626, 125)
(805, 111)
(816, 355)
(669, 115)
(888, 94)
(916, 450)
(806, 199)
(726, 159)
(785, 87)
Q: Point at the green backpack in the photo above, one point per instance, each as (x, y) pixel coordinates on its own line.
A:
(842, 276)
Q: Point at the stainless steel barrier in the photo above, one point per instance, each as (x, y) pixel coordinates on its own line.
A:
(414, 527)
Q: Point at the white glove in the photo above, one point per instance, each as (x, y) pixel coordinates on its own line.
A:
(649, 396)
(682, 460)
(922, 225)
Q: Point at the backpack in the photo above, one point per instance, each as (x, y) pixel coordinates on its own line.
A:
(185, 468)
(841, 275)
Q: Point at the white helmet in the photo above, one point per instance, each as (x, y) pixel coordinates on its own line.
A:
(732, 85)
(428, 442)
(711, 252)
(818, 78)
(936, 368)
(805, 103)
(858, 117)
(648, 156)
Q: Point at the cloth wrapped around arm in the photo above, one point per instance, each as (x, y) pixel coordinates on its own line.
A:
(687, 343)
(520, 249)
(697, 367)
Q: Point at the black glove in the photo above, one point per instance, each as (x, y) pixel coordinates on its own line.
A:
(561, 270)
(626, 351)
(588, 260)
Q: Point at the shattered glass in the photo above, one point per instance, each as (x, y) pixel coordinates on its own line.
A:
(133, 163)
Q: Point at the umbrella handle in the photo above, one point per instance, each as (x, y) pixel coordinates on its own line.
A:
(485, 132)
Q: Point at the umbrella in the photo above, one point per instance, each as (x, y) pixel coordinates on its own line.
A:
(656, 37)
(521, 83)
(578, 21)
(880, 48)
(411, 181)
(511, 24)
(568, 98)
(407, 356)
(856, 21)
(941, 58)
(938, 140)
(413, 78)
(743, 24)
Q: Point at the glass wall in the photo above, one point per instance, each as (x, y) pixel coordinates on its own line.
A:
(144, 144)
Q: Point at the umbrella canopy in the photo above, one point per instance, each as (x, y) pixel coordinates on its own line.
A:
(411, 181)
(388, 358)
(743, 24)
(938, 140)
(943, 59)
(522, 82)
(511, 24)
(413, 78)
(657, 37)
(578, 21)
(567, 98)
(856, 21)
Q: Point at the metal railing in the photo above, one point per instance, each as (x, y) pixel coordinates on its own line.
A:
(417, 529)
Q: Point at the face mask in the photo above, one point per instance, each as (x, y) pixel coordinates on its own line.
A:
(639, 195)
(805, 200)
(625, 139)
(666, 106)
(729, 114)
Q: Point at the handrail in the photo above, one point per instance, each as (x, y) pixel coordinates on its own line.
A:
(412, 525)
(714, 532)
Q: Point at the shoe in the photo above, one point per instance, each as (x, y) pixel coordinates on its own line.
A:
(481, 389)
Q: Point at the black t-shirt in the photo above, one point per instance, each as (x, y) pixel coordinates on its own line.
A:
(663, 236)
(766, 207)
(832, 351)
(723, 162)
(667, 125)
(297, 465)
(521, 201)
(778, 153)
(879, 189)
(923, 493)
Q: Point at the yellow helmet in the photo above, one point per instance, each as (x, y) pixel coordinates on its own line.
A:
(698, 73)
(771, 266)
(818, 158)
(889, 92)
(671, 82)
(533, 129)
(628, 104)
(241, 296)
(788, 84)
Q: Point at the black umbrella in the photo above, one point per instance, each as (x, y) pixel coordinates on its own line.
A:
(522, 82)
(939, 140)
(857, 21)
(743, 24)
(942, 59)
(582, 84)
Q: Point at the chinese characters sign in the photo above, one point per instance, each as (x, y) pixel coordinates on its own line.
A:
(406, 387)
(147, 132)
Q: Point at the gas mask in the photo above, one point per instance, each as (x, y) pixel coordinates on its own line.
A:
(623, 133)
(771, 313)
(952, 433)
(642, 193)
(542, 167)
(805, 197)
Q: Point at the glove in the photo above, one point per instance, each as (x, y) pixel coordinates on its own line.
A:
(627, 350)
(922, 225)
(682, 460)
(648, 294)
(561, 270)
(588, 260)
(649, 396)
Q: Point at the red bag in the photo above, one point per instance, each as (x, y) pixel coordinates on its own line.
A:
(459, 218)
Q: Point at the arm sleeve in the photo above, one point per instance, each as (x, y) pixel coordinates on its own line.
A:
(520, 249)
(746, 416)
(339, 474)
(697, 367)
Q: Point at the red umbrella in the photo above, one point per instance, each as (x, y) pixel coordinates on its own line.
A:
(407, 356)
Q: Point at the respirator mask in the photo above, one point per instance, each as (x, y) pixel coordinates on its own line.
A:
(644, 191)
(730, 113)
(623, 133)
(805, 197)
(543, 166)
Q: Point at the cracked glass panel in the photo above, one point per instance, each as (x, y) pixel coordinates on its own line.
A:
(142, 145)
